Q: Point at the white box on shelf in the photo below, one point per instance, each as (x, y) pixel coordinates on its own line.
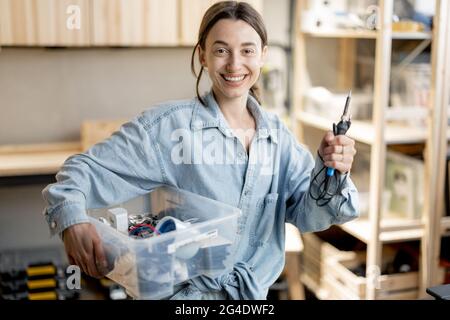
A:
(405, 181)
(329, 104)
(404, 178)
(150, 268)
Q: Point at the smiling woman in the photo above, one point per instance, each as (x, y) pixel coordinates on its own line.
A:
(234, 64)
(222, 145)
(232, 46)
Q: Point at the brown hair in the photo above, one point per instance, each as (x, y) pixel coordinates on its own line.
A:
(228, 10)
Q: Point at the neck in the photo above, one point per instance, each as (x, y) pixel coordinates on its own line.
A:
(234, 110)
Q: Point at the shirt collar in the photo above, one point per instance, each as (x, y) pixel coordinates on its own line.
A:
(210, 116)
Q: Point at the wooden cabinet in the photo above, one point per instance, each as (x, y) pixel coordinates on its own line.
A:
(134, 23)
(192, 13)
(18, 22)
(103, 22)
(88, 22)
(63, 22)
(44, 22)
(190, 19)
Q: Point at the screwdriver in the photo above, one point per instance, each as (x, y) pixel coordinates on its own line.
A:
(342, 127)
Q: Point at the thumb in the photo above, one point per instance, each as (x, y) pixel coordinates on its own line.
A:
(329, 137)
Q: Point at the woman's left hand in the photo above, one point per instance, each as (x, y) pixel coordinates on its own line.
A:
(337, 152)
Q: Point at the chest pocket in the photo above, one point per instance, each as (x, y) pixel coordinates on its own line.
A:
(263, 224)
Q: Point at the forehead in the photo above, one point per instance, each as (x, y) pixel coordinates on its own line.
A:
(233, 32)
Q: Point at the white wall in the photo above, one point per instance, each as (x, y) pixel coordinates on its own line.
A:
(45, 93)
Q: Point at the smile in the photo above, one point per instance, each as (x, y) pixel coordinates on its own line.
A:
(234, 78)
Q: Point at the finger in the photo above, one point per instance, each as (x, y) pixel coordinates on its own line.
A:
(342, 140)
(343, 158)
(89, 259)
(333, 149)
(329, 136)
(100, 258)
(338, 157)
(339, 149)
(79, 262)
(324, 143)
(92, 268)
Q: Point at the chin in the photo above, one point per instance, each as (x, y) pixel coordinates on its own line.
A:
(236, 93)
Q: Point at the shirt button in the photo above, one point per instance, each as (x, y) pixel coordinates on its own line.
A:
(241, 154)
(53, 225)
(246, 193)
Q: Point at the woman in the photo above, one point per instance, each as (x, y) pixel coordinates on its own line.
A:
(222, 145)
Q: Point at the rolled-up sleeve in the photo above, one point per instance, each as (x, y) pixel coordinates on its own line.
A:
(117, 169)
(305, 178)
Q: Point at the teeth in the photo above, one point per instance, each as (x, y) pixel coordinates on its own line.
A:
(234, 79)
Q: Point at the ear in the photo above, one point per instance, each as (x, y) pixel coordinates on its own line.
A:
(264, 56)
(201, 57)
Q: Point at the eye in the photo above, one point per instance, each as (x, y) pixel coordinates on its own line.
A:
(221, 51)
(249, 51)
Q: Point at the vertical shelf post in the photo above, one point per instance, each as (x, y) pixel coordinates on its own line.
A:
(299, 78)
(436, 148)
(378, 151)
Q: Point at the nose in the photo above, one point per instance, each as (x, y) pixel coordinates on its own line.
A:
(234, 62)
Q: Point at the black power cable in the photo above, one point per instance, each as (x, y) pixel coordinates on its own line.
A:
(325, 194)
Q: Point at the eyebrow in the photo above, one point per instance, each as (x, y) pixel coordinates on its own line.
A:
(245, 44)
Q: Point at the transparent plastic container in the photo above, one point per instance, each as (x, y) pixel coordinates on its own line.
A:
(150, 268)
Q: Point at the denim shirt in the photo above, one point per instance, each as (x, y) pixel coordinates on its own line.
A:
(190, 146)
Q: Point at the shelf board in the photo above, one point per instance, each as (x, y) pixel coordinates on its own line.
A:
(391, 230)
(411, 35)
(366, 34)
(35, 159)
(363, 131)
(356, 34)
(360, 228)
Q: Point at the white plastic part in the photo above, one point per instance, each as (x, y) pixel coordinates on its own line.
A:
(118, 217)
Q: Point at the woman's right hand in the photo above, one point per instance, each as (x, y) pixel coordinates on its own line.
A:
(84, 249)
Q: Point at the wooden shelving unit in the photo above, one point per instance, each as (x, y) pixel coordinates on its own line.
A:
(374, 230)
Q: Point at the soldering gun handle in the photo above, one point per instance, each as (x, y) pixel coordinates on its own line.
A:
(341, 128)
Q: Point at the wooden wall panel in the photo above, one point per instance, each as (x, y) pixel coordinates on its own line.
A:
(18, 22)
(63, 22)
(134, 22)
(103, 22)
(42, 23)
(191, 14)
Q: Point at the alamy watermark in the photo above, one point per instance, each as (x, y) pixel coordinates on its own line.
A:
(73, 281)
(203, 147)
(373, 277)
(73, 21)
(373, 17)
